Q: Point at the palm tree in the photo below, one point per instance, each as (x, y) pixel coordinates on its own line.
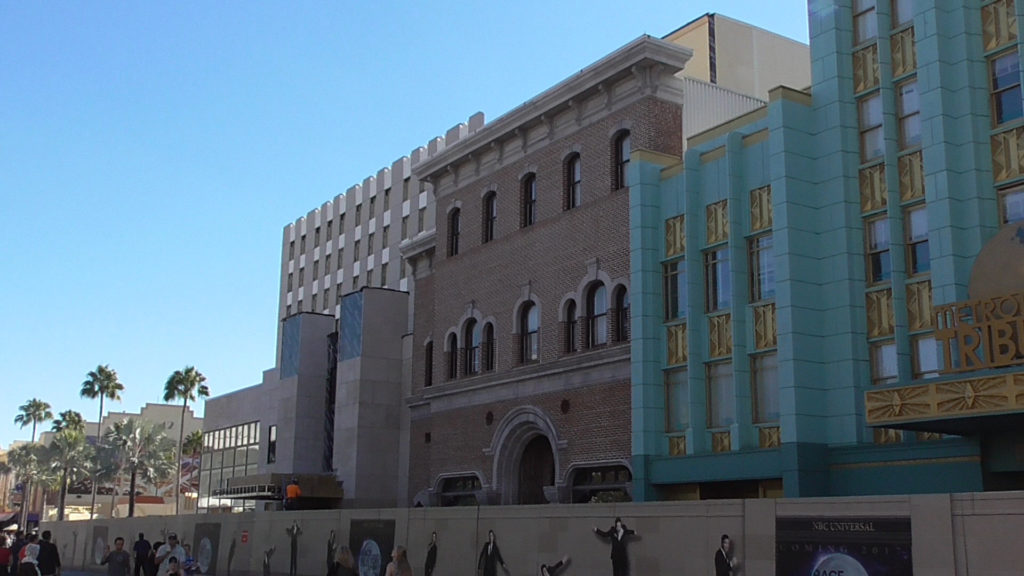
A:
(144, 450)
(193, 446)
(25, 460)
(69, 420)
(33, 412)
(5, 472)
(185, 385)
(69, 457)
(100, 383)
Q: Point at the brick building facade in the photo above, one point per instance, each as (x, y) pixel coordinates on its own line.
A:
(520, 377)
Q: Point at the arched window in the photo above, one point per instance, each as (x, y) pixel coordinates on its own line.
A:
(453, 357)
(490, 215)
(597, 316)
(428, 365)
(621, 314)
(623, 147)
(570, 328)
(529, 333)
(488, 347)
(472, 339)
(454, 225)
(528, 214)
(573, 180)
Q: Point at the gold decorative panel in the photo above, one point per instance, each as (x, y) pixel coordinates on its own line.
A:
(720, 335)
(761, 209)
(873, 189)
(765, 331)
(888, 436)
(677, 341)
(675, 236)
(865, 68)
(721, 442)
(998, 24)
(911, 177)
(768, 437)
(718, 222)
(968, 398)
(677, 446)
(904, 57)
(919, 306)
(880, 315)
(1008, 154)
(928, 436)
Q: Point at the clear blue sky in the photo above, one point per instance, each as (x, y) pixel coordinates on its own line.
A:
(152, 152)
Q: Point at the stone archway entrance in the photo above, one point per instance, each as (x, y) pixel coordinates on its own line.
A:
(536, 470)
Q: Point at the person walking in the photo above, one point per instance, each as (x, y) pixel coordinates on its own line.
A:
(617, 534)
(29, 565)
(173, 549)
(19, 543)
(490, 557)
(344, 564)
(5, 556)
(141, 548)
(49, 556)
(724, 560)
(118, 560)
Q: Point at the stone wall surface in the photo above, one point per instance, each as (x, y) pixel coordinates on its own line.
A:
(958, 534)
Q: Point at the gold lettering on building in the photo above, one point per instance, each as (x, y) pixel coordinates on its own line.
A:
(982, 333)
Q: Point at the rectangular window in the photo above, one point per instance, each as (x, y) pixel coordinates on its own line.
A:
(291, 250)
(359, 214)
(718, 289)
(289, 281)
(373, 207)
(879, 263)
(314, 304)
(387, 199)
(1011, 205)
(316, 236)
(384, 274)
(401, 269)
(721, 396)
(355, 281)
(341, 257)
(288, 310)
(405, 227)
(902, 13)
(764, 372)
(927, 357)
(865, 27)
(272, 445)
(327, 264)
(330, 226)
(355, 250)
(1006, 94)
(675, 289)
(302, 244)
(384, 237)
(677, 400)
(369, 277)
(405, 190)
(884, 367)
(341, 224)
(316, 269)
(421, 219)
(302, 276)
(762, 269)
(327, 298)
(916, 222)
(871, 143)
(909, 109)
(369, 243)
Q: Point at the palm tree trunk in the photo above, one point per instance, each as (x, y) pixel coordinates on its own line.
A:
(63, 494)
(26, 498)
(131, 495)
(181, 446)
(99, 426)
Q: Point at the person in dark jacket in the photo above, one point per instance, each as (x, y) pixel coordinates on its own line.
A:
(19, 543)
(141, 549)
(551, 570)
(49, 556)
(724, 560)
(490, 557)
(428, 567)
(617, 534)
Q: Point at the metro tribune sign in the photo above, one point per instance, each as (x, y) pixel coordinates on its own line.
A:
(982, 333)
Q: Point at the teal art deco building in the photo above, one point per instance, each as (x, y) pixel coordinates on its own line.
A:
(827, 291)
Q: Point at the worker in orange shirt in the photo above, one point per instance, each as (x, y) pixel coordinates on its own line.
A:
(292, 493)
